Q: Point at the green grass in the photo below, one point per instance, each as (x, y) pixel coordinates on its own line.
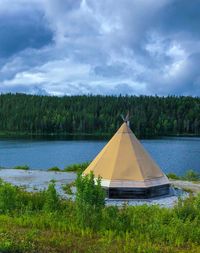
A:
(42, 222)
(22, 167)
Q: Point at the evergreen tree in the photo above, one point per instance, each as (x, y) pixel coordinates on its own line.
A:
(150, 116)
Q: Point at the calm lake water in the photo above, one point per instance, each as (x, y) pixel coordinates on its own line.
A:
(172, 154)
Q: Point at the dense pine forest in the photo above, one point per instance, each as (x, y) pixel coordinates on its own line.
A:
(99, 115)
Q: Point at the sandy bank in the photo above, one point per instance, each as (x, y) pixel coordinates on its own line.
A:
(34, 180)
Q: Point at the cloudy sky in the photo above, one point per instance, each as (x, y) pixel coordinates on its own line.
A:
(63, 47)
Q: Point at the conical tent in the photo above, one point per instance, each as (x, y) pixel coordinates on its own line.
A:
(126, 168)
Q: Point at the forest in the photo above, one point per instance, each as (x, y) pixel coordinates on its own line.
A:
(150, 116)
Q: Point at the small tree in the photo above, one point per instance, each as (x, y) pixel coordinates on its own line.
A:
(90, 200)
(51, 199)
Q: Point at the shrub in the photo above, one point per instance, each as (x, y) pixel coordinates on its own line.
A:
(173, 176)
(185, 209)
(191, 175)
(52, 200)
(22, 167)
(8, 197)
(68, 188)
(13, 198)
(54, 169)
(79, 167)
(90, 200)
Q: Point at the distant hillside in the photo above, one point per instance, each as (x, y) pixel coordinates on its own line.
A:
(151, 116)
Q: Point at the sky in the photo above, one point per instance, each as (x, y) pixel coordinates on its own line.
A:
(128, 47)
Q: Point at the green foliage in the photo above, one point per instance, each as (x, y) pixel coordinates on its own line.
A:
(191, 175)
(8, 197)
(42, 222)
(90, 200)
(22, 167)
(173, 176)
(98, 115)
(68, 188)
(78, 167)
(55, 168)
(15, 198)
(52, 201)
(188, 190)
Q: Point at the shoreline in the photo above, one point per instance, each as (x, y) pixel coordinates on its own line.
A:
(36, 180)
(82, 136)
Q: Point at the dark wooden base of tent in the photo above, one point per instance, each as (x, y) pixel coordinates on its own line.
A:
(137, 193)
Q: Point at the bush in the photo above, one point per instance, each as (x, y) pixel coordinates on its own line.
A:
(79, 167)
(90, 200)
(8, 197)
(22, 167)
(191, 175)
(52, 201)
(173, 176)
(54, 169)
(186, 209)
(15, 199)
(68, 188)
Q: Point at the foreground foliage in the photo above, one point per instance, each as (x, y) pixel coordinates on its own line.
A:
(90, 201)
(43, 222)
(151, 116)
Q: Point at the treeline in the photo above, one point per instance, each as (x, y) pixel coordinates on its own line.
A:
(150, 115)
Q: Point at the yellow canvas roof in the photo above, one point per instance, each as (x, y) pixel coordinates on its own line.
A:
(124, 161)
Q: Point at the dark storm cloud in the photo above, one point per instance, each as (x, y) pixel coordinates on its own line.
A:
(100, 47)
(22, 30)
(181, 16)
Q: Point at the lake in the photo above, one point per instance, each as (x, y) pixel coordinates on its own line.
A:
(176, 154)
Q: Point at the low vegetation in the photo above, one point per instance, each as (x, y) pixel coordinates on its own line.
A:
(190, 175)
(67, 188)
(55, 168)
(22, 167)
(43, 222)
(78, 167)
